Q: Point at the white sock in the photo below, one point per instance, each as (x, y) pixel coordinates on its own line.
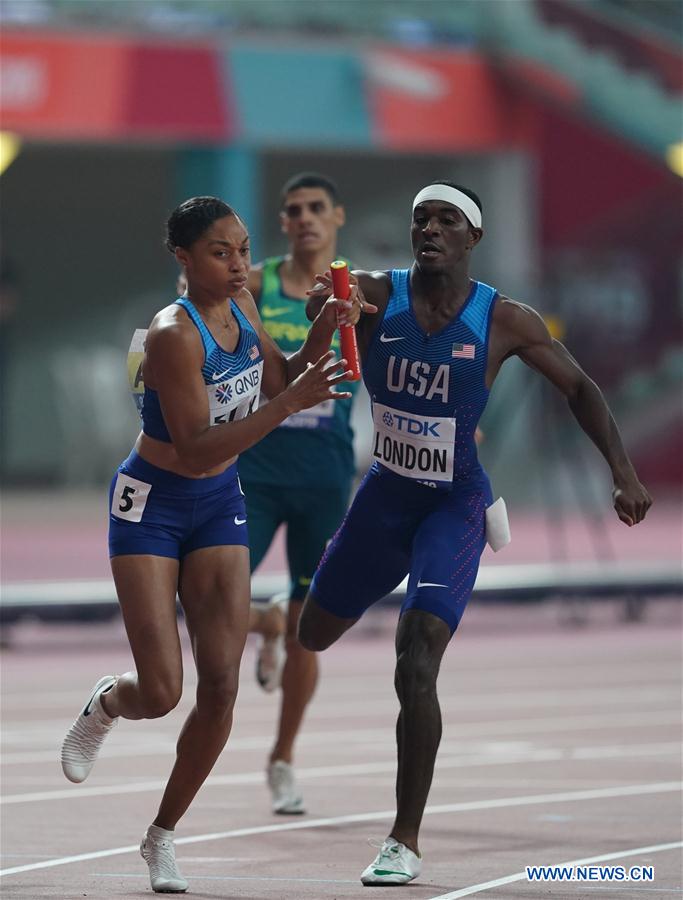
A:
(159, 833)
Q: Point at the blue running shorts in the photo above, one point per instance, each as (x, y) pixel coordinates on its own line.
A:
(156, 512)
(397, 527)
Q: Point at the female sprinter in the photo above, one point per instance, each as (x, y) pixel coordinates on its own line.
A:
(177, 513)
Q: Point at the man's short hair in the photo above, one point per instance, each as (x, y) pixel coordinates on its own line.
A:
(311, 180)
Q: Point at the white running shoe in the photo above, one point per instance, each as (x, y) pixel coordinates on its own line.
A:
(394, 864)
(287, 799)
(159, 854)
(84, 739)
(270, 662)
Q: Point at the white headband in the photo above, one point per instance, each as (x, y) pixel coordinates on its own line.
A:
(451, 195)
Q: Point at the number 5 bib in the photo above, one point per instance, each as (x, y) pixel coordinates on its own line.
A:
(129, 498)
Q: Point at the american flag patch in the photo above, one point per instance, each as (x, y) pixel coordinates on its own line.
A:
(254, 352)
(463, 351)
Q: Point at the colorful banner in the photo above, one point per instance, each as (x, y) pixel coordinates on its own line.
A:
(61, 87)
(95, 87)
(178, 91)
(441, 101)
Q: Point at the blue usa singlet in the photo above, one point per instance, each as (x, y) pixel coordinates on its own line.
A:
(154, 511)
(428, 391)
(233, 380)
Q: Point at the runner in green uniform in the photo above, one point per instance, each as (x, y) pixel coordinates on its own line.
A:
(299, 475)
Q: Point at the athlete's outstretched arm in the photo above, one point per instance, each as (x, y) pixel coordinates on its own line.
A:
(534, 345)
(372, 291)
(174, 356)
(280, 370)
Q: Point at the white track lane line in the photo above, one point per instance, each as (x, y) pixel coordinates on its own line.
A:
(474, 760)
(492, 698)
(487, 728)
(501, 803)
(371, 738)
(521, 876)
(651, 701)
(277, 878)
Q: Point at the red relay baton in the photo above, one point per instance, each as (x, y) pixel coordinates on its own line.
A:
(347, 333)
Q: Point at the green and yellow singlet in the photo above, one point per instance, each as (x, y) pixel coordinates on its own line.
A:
(314, 446)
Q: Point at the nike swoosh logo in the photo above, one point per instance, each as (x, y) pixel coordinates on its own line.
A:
(274, 310)
(219, 375)
(98, 689)
(383, 339)
(239, 521)
(88, 706)
(430, 584)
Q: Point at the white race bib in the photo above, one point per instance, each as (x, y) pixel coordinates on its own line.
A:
(235, 398)
(418, 447)
(130, 498)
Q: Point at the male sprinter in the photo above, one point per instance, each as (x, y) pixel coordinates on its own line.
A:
(430, 356)
(300, 475)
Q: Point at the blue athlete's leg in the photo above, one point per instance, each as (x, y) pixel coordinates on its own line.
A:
(421, 640)
(367, 558)
(446, 552)
(318, 628)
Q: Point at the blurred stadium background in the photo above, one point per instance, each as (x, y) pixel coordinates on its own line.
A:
(565, 117)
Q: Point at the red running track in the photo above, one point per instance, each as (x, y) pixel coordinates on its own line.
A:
(559, 744)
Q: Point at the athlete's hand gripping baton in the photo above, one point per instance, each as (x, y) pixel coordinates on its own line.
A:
(347, 333)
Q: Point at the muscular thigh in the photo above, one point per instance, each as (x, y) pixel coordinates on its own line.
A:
(146, 588)
(214, 592)
(446, 553)
(369, 555)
